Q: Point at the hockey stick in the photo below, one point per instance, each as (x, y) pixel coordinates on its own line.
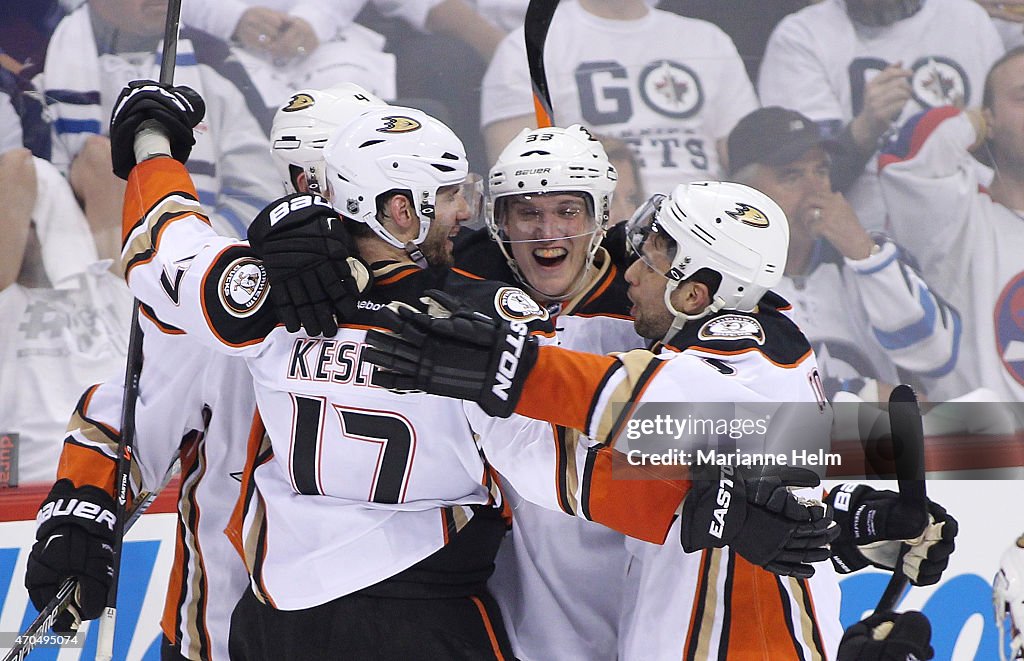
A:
(908, 452)
(538, 19)
(28, 639)
(133, 371)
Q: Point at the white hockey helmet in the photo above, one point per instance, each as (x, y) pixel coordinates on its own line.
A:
(392, 149)
(302, 126)
(1008, 599)
(731, 229)
(552, 160)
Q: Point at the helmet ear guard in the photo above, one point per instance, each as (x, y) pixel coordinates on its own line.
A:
(734, 231)
(393, 150)
(548, 161)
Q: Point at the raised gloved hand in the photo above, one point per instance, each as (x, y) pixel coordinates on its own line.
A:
(752, 510)
(315, 279)
(176, 109)
(75, 538)
(453, 351)
(876, 530)
(888, 637)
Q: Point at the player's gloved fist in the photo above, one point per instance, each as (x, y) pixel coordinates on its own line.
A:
(875, 529)
(888, 637)
(75, 538)
(176, 109)
(308, 255)
(752, 510)
(453, 351)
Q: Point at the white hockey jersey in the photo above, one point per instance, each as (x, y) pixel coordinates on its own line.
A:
(710, 604)
(818, 62)
(866, 317)
(200, 405)
(668, 86)
(969, 247)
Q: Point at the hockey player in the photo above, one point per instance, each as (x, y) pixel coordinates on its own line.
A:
(194, 401)
(549, 197)
(968, 239)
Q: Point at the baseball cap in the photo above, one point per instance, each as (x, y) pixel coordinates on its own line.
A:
(773, 136)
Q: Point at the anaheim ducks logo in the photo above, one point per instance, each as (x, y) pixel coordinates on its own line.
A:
(749, 215)
(298, 102)
(513, 304)
(399, 124)
(732, 327)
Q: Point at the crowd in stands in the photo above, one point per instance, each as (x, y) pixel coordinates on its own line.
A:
(889, 131)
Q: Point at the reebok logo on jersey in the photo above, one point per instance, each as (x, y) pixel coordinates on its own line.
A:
(82, 509)
(723, 500)
(508, 364)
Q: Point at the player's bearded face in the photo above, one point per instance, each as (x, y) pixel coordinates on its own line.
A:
(549, 237)
(651, 319)
(450, 209)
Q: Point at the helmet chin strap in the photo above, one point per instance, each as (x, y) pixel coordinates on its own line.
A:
(416, 255)
(681, 318)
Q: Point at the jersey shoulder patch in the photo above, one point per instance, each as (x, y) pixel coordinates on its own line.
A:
(732, 327)
(513, 304)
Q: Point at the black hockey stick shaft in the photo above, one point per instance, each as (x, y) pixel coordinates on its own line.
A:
(908, 453)
(538, 19)
(133, 372)
(29, 638)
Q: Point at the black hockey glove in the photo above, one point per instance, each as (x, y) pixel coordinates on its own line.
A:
(875, 530)
(314, 277)
(888, 637)
(75, 538)
(751, 510)
(454, 351)
(177, 109)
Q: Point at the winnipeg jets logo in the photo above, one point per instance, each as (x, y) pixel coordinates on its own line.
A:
(399, 124)
(170, 281)
(671, 89)
(748, 215)
(1009, 327)
(939, 81)
(299, 101)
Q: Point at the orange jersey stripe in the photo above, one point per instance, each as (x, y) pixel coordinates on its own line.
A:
(639, 501)
(84, 465)
(161, 175)
(490, 629)
(563, 371)
(234, 529)
(759, 628)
